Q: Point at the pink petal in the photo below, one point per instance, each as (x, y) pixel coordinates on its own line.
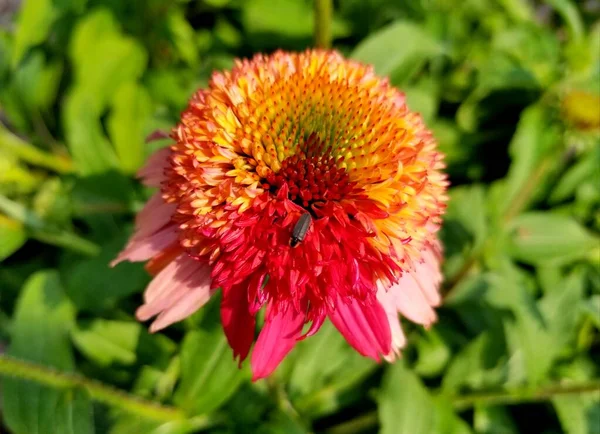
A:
(417, 291)
(196, 294)
(411, 302)
(276, 339)
(386, 300)
(365, 327)
(155, 214)
(157, 135)
(172, 283)
(153, 173)
(146, 247)
(237, 322)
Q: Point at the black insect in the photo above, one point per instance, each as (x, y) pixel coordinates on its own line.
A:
(300, 230)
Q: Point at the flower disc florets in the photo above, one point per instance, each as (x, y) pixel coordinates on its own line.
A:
(277, 137)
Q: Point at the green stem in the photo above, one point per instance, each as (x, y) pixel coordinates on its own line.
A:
(32, 155)
(507, 397)
(522, 199)
(283, 402)
(100, 392)
(323, 17)
(45, 232)
(359, 424)
(524, 394)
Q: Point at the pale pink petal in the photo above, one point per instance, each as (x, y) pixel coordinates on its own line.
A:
(398, 339)
(416, 293)
(195, 293)
(167, 285)
(411, 302)
(155, 214)
(276, 339)
(180, 289)
(153, 173)
(429, 277)
(144, 248)
(237, 321)
(365, 327)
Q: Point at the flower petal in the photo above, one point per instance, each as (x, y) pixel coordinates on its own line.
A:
(365, 327)
(237, 321)
(155, 214)
(153, 173)
(146, 247)
(398, 339)
(276, 339)
(416, 293)
(177, 291)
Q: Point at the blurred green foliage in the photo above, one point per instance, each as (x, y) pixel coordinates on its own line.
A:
(511, 89)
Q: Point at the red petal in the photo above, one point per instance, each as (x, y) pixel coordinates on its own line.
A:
(237, 321)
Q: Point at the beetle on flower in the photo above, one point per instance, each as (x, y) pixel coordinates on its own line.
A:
(275, 139)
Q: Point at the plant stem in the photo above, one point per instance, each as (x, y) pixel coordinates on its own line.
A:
(520, 202)
(323, 16)
(524, 394)
(356, 425)
(100, 392)
(45, 232)
(32, 155)
(507, 397)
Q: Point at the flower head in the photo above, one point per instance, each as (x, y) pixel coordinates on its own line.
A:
(276, 138)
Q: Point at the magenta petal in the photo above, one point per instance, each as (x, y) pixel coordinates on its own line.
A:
(277, 338)
(237, 321)
(365, 327)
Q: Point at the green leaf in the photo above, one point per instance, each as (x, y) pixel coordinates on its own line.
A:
(37, 81)
(94, 286)
(434, 354)
(502, 76)
(307, 374)
(286, 18)
(182, 34)
(12, 236)
(531, 342)
(578, 414)
(131, 112)
(584, 170)
(562, 307)
(405, 406)
(478, 365)
(209, 375)
(40, 333)
(536, 139)
(540, 238)
(104, 58)
(424, 98)
(493, 420)
(35, 20)
(465, 227)
(107, 342)
(400, 49)
(87, 143)
(592, 309)
(74, 413)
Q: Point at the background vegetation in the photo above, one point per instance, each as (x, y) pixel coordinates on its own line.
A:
(512, 91)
